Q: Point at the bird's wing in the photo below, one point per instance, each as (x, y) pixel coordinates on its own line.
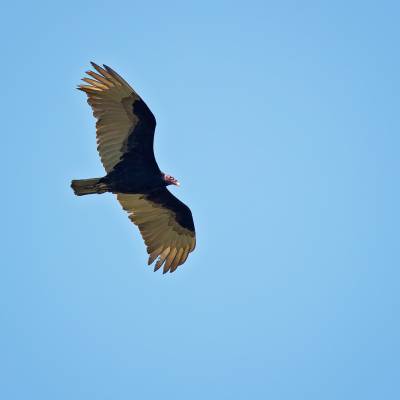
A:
(124, 122)
(166, 225)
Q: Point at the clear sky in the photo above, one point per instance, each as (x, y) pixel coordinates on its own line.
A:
(281, 120)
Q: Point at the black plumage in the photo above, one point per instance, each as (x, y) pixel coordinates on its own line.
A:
(125, 135)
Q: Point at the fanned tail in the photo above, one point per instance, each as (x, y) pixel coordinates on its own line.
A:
(82, 187)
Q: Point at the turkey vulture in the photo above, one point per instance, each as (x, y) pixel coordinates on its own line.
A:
(125, 131)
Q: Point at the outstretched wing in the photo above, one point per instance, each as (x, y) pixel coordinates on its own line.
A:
(166, 225)
(125, 125)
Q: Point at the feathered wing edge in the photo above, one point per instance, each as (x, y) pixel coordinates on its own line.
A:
(105, 78)
(167, 241)
(111, 99)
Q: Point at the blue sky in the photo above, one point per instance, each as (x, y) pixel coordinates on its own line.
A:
(280, 119)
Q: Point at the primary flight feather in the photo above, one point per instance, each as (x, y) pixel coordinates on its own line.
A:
(125, 133)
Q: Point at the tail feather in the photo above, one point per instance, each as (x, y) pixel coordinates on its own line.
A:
(82, 187)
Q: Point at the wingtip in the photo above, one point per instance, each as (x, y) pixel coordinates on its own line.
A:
(111, 71)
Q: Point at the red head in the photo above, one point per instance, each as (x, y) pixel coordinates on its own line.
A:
(170, 180)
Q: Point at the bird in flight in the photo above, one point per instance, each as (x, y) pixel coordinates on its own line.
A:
(125, 133)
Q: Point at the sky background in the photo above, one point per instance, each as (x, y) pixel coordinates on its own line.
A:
(281, 120)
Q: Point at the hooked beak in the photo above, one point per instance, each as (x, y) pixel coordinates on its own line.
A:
(177, 183)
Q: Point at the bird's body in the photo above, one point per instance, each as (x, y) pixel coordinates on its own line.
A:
(125, 135)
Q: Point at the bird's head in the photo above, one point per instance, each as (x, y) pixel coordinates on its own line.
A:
(170, 180)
